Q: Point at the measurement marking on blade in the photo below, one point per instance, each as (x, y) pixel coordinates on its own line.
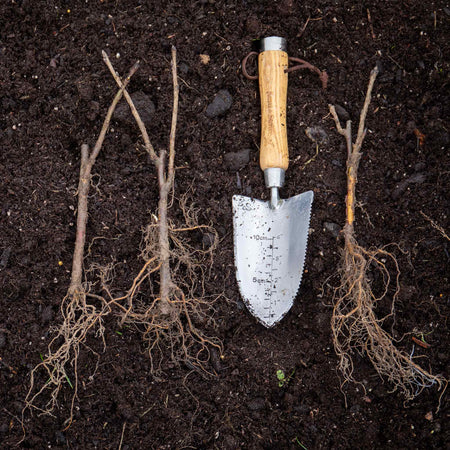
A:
(269, 291)
(260, 237)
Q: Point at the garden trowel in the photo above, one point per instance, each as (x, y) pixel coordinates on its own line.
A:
(270, 237)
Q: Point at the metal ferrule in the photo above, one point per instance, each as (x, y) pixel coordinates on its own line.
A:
(273, 43)
(274, 178)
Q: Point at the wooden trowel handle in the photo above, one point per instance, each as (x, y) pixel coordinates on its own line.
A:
(273, 81)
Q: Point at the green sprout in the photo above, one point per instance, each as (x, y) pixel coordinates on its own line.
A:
(282, 379)
(422, 336)
(120, 333)
(300, 444)
(419, 338)
(68, 380)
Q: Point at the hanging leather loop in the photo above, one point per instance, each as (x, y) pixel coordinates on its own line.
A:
(244, 67)
(302, 64)
(306, 65)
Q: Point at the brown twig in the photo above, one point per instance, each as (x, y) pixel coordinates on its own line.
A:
(420, 343)
(353, 150)
(10, 368)
(300, 34)
(165, 185)
(122, 435)
(369, 18)
(148, 145)
(165, 178)
(87, 162)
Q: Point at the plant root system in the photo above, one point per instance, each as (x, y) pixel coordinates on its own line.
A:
(187, 310)
(355, 326)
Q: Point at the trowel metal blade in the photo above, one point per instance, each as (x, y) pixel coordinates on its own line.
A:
(270, 248)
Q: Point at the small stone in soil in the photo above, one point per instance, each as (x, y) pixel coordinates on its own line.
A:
(441, 138)
(5, 257)
(125, 171)
(410, 126)
(144, 106)
(240, 304)
(355, 409)
(285, 8)
(60, 438)
(8, 104)
(94, 108)
(318, 265)
(238, 181)
(256, 404)
(252, 25)
(332, 228)
(317, 134)
(183, 68)
(303, 409)
(342, 113)
(230, 442)
(125, 140)
(85, 90)
(399, 190)
(237, 160)
(126, 411)
(215, 360)
(407, 292)
(420, 166)
(220, 105)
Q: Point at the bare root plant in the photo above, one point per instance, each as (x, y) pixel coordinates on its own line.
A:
(78, 311)
(355, 325)
(172, 317)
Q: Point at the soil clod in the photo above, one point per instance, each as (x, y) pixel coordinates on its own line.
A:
(220, 105)
(144, 106)
(235, 161)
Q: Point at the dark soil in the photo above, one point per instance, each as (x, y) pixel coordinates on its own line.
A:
(55, 91)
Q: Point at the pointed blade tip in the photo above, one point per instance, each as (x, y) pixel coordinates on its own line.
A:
(268, 325)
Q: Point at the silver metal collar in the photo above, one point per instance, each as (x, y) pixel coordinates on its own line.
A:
(273, 43)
